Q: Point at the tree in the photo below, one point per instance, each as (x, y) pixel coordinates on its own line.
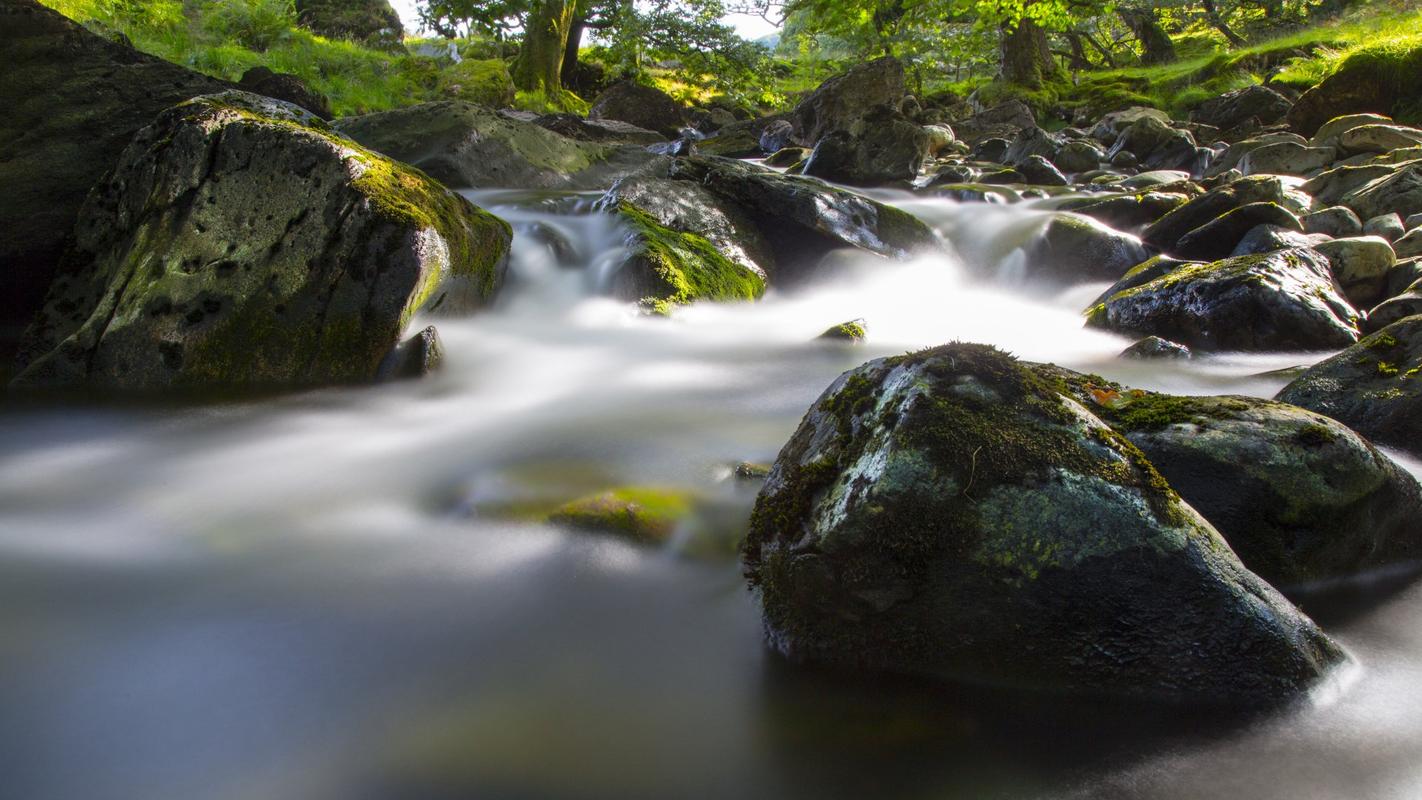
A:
(1156, 47)
(539, 65)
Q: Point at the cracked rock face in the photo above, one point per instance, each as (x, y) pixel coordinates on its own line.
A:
(238, 243)
(952, 513)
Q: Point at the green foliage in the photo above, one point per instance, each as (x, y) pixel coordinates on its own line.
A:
(563, 101)
(484, 82)
(254, 24)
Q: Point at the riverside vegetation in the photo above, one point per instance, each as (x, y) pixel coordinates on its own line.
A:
(216, 199)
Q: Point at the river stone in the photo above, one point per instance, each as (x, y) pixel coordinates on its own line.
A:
(1360, 265)
(787, 157)
(1374, 387)
(643, 106)
(738, 142)
(842, 101)
(72, 101)
(1387, 226)
(1166, 232)
(666, 268)
(1331, 132)
(1126, 212)
(467, 146)
(1399, 192)
(1154, 348)
(1080, 156)
(1220, 236)
(1038, 171)
(1379, 138)
(777, 136)
(1268, 238)
(992, 151)
(1233, 154)
(1285, 158)
(880, 147)
(951, 513)
(802, 220)
(1030, 142)
(1331, 186)
(1232, 108)
(1074, 249)
(416, 357)
(686, 207)
(605, 131)
(239, 243)
(1395, 308)
(1110, 125)
(1334, 221)
(940, 138)
(1410, 244)
(1299, 497)
(1283, 300)
(283, 86)
(1003, 121)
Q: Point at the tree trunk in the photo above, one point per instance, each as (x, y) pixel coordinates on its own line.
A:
(1213, 15)
(568, 75)
(1156, 47)
(1076, 58)
(539, 65)
(1026, 57)
(1106, 57)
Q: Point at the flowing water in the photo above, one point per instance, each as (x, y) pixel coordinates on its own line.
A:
(335, 595)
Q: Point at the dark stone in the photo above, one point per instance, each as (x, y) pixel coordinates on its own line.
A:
(842, 101)
(1154, 348)
(643, 106)
(1218, 238)
(882, 147)
(1232, 109)
(283, 86)
(372, 22)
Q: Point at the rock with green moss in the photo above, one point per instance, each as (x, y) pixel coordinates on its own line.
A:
(855, 332)
(72, 101)
(1374, 387)
(803, 220)
(644, 106)
(1076, 249)
(1166, 233)
(371, 22)
(737, 142)
(468, 146)
(1380, 79)
(485, 83)
(642, 514)
(688, 208)
(1126, 212)
(240, 243)
(952, 513)
(666, 268)
(1298, 496)
(605, 131)
(1284, 300)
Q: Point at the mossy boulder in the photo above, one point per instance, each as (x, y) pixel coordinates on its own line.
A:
(485, 83)
(605, 131)
(1380, 79)
(239, 243)
(72, 101)
(736, 142)
(1374, 387)
(468, 146)
(1078, 249)
(1126, 212)
(855, 332)
(802, 220)
(1298, 496)
(642, 514)
(688, 208)
(371, 22)
(952, 513)
(1284, 300)
(667, 268)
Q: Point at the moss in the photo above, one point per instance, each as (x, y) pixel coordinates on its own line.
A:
(1143, 411)
(485, 82)
(561, 101)
(853, 331)
(685, 267)
(644, 514)
(1315, 435)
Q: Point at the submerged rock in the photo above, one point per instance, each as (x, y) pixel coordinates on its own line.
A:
(1374, 387)
(1074, 249)
(204, 262)
(645, 515)
(1284, 300)
(855, 332)
(1155, 348)
(1299, 497)
(951, 513)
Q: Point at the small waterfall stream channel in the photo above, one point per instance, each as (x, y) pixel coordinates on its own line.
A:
(336, 595)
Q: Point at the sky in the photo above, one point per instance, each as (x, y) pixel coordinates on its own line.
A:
(747, 26)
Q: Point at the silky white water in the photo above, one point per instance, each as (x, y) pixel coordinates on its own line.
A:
(319, 596)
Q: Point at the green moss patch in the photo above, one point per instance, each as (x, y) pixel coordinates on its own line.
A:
(642, 514)
(679, 268)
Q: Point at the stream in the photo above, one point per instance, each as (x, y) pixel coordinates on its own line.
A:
(333, 595)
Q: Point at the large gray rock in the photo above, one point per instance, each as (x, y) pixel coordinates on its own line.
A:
(1400, 192)
(1285, 300)
(1298, 496)
(1333, 221)
(1378, 138)
(643, 106)
(1232, 108)
(1235, 153)
(1286, 158)
(1331, 132)
(1331, 186)
(604, 131)
(665, 268)
(1110, 125)
(951, 513)
(1073, 249)
(1374, 387)
(879, 147)
(240, 244)
(72, 101)
(840, 102)
(467, 146)
(1002, 121)
(1396, 308)
(1360, 266)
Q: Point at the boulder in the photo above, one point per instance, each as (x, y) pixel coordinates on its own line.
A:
(1157, 145)
(842, 101)
(787, 157)
(1235, 153)
(605, 131)
(1286, 158)
(1154, 348)
(880, 147)
(734, 142)
(1268, 238)
(666, 268)
(1075, 249)
(643, 106)
(686, 207)
(417, 357)
(1395, 308)
(1365, 82)
(1110, 125)
(940, 138)
(1333, 221)
(1003, 121)
(468, 146)
(1165, 233)
(1299, 497)
(282, 86)
(482, 82)
(1220, 236)
(1126, 212)
(855, 332)
(1398, 192)
(1030, 142)
(1038, 171)
(1378, 138)
(951, 513)
(1080, 156)
(802, 220)
(777, 136)
(1373, 387)
(240, 244)
(1285, 300)
(1233, 108)
(1385, 226)
(1329, 134)
(1410, 244)
(1331, 186)
(72, 101)
(371, 22)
